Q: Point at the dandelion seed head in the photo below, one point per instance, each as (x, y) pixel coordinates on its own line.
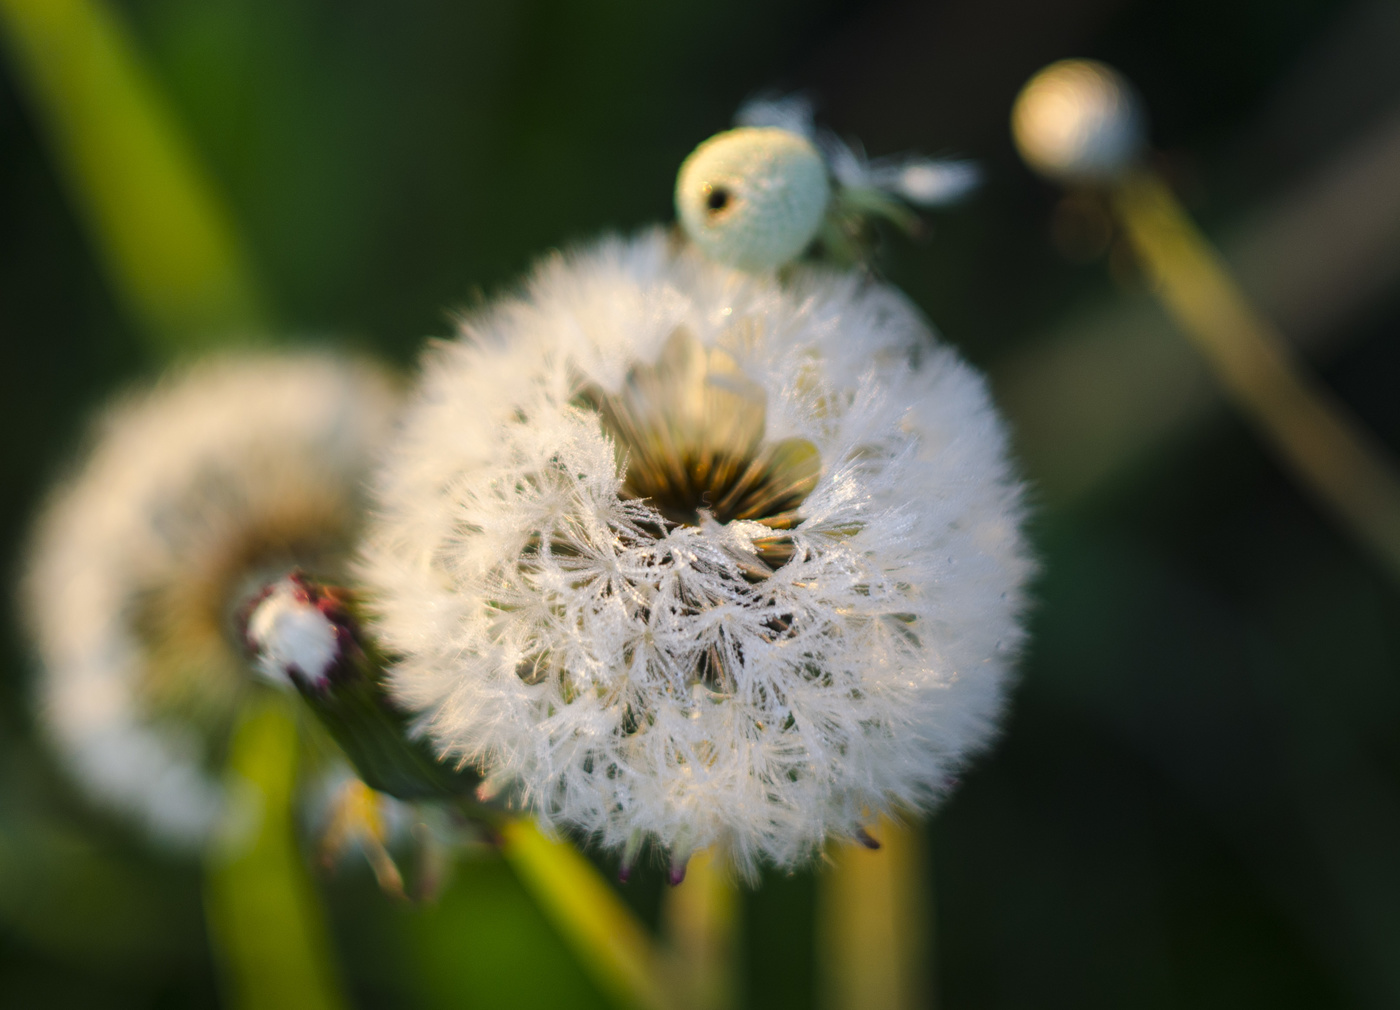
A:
(694, 555)
(191, 496)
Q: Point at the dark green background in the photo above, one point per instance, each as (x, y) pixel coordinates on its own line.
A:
(1196, 802)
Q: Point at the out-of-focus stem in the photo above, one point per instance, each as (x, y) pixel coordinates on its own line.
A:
(612, 946)
(699, 916)
(1314, 434)
(873, 925)
(165, 238)
(267, 925)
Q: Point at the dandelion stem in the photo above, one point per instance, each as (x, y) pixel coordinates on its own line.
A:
(615, 948)
(1313, 432)
(873, 923)
(166, 239)
(700, 917)
(268, 928)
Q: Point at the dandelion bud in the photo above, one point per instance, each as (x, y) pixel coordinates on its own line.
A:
(841, 203)
(753, 198)
(1078, 120)
(297, 633)
(699, 556)
(303, 633)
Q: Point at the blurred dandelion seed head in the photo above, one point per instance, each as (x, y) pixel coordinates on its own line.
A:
(739, 561)
(192, 495)
(1078, 120)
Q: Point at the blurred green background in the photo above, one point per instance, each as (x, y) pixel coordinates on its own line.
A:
(1196, 802)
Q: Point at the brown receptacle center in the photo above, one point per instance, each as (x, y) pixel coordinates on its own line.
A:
(690, 429)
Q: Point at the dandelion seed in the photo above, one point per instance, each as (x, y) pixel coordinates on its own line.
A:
(193, 494)
(928, 182)
(693, 555)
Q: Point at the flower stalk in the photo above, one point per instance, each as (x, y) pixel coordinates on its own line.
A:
(873, 923)
(613, 947)
(1328, 450)
(270, 932)
(1081, 123)
(701, 918)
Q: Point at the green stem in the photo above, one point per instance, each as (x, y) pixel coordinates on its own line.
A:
(613, 947)
(1329, 451)
(701, 916)
(874, 924)
(268, 927)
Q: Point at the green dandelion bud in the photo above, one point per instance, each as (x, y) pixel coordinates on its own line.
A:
(304, 634)
(753, 198)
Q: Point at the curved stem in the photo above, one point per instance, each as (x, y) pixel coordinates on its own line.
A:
(1313, 433)
(613, 946)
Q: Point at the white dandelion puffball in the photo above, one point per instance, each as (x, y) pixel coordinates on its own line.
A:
(690, 555)
(191, 496)
(1078, 120)
(754, 197)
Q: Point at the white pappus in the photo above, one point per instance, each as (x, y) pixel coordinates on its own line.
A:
(684, 554)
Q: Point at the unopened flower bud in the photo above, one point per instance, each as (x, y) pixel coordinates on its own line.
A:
(753, 198)
(298, 634)
(305, 634)
(1078, 120)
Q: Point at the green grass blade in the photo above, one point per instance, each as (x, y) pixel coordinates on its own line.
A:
(166, 240)
(611, 945)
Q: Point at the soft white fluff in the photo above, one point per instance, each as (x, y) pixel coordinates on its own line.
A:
(900, 611)
(289, 634)
(136, 562)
